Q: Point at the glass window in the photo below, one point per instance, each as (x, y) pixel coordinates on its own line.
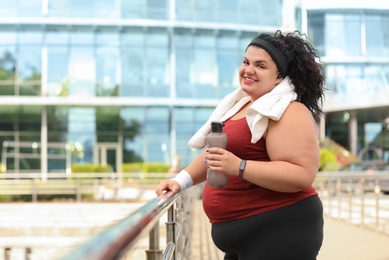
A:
(107, 9)
(59, 8)
(82, 8)
(8, 8)
(132, 72)
(134, 9)
(377, 34)
(343, 35)
(82, 72)
(29, 63)
(263, 12)
(229, 59)
(107, 121)
(108, 37)
(30, 35)
(316, 27)
(132, 37)
(107, 71)
(204, 73)
(157, 134)
(57, 71)
(157, 72)
(30, 8)
(82, 132)
(205, 10)
(57, 123)
(57, 35)
(7, 63)
(184, 10)
(184, 87)
(157, 9)
(226, 11)
(82, 36)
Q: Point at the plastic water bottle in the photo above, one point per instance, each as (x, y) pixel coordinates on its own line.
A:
(217, 138)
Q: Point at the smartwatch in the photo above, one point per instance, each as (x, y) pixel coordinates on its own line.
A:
(241, 168)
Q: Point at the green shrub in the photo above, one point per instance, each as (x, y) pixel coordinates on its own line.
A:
(79, 168)
(328, 161)
(132, 167)
(144, 168)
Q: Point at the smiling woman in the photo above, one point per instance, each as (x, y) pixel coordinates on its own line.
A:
(270, 124)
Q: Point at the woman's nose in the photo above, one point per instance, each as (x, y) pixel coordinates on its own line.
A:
(248, 69)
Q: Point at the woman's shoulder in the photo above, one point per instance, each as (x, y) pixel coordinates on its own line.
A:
(296, 112)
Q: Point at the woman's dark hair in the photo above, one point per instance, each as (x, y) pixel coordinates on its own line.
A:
(304, 71)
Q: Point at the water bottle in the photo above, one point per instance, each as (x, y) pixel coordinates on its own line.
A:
(217, 138)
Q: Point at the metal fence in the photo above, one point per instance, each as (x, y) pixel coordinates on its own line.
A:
(360, 198)
(118, 241)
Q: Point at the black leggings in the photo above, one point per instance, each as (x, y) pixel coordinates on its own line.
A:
(290, 233)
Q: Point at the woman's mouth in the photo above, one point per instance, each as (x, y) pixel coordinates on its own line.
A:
(248, 81)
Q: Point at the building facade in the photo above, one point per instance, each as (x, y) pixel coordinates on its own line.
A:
(116, 81)
(353, 40)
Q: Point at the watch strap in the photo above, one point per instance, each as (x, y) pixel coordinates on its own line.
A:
(242, 166)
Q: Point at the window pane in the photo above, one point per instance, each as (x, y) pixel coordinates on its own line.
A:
(57, 71)
(343, 35)
(107, 71)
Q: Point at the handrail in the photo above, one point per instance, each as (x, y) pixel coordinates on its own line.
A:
(118, 239)
(356, 197)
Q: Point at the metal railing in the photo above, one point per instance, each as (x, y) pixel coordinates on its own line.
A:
(360, 198)
(119, 240)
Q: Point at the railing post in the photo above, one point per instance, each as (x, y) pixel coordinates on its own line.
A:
(377, 191)
(362, 184)
(154, 252)
(7, 253)
(350, 200)
(339, 195)
(171, 228)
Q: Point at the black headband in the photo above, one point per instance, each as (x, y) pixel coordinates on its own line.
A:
(277, 56)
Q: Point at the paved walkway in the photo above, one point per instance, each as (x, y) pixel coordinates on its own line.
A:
(342, 241)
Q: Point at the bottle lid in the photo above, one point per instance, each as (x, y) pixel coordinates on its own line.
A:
(217, 127)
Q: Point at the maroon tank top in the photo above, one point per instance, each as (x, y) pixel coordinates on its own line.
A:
(240, 198)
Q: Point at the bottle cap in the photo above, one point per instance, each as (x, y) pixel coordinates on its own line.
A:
(217, 127)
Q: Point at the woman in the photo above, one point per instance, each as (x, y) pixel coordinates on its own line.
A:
(269, 209)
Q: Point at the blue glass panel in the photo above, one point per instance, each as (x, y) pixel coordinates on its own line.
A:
(133, 61)
(226, 11)
(107, 71)
(59, 8)
(57, 70)
(157, 9)
(157, 72)
(343, 35)
(205, 11)
(8, 8)
(82, 72)
(57, 35)
(30, 8)
(375, 35)
(29, 63)
(82, 121)
(132, 9)
(184, 10)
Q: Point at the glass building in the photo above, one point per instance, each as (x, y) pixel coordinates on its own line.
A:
(117, 81)
(353, 40)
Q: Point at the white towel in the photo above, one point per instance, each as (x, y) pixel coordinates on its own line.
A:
(271, 105)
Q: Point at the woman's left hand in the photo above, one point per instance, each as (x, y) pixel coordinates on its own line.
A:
(221, 160)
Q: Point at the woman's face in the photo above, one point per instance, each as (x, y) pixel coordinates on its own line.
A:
(258, 73)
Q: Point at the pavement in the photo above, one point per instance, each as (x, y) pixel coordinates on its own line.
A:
(342, 241)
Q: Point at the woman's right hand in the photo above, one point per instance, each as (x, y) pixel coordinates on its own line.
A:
(167, 188)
